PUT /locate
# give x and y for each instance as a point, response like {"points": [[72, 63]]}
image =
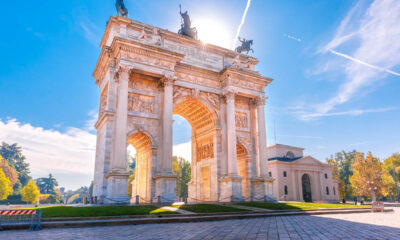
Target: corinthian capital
{"points": [[123, 72], [260, 100], [168, 79], [229, 93]]}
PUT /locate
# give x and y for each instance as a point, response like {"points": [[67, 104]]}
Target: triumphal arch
{"points": [[145, 75]]}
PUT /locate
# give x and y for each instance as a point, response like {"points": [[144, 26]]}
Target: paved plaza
{"points": [[339, 226]]}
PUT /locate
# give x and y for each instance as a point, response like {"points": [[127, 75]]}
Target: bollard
{"points": [[137, 199]]}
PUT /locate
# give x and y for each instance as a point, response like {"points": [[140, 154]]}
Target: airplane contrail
{"points": [[363, 63], [241, 24]]}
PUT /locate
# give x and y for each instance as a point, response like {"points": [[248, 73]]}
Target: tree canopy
{"points": [[5, 186], [30, 192], [15, 158], [182, 169], [47, 185]]}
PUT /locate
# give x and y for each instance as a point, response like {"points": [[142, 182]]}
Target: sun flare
{"points": [[213, 31]]}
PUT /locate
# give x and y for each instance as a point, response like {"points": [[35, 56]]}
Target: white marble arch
{"points": [[144, 82]]}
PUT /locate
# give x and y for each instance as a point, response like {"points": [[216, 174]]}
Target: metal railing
{"points": [[23, 217]]}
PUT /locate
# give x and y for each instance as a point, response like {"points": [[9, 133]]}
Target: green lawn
{"points": [[298, 205], [207, 208], [66, 211]]}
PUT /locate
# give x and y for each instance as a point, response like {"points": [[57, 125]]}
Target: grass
{"points": [[66, 211], [298, 205], [208, 208]]}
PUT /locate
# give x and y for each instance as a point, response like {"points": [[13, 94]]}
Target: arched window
{"points": [[326, 176], [270, 174], [284, 173], [286, 190], [289, 154], [327, 190]]}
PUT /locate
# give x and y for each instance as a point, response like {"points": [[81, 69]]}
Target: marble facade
{"points": [[145, 75]]}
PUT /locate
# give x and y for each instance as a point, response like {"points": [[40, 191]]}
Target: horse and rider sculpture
{"points": [[187, 29]]}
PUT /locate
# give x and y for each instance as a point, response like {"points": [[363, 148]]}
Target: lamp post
{"points": [[395, 183]]}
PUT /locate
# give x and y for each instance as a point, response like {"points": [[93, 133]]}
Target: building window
{"points": [[284, 173], [327, 190], [270, 174], [334, 191], [326, 176], [286, 191]]}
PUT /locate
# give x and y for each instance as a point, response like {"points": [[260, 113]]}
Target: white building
{"points": [[300, 178]]}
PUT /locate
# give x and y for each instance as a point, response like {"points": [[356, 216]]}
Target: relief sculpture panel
{"points": [[205, 150], [241, 120], [140, 103]]}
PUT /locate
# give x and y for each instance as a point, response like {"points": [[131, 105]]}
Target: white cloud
{"points": [[183, 150], [357, 112], [68, 155], [369, 39]]}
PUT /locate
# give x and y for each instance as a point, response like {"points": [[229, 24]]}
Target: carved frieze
{"points": [[148, 61], [103, 102], [140, 103], [198, 80], [142, 84], [205, 150]]}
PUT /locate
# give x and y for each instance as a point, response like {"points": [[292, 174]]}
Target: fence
{"points": [[25, 217], [378, 206]]}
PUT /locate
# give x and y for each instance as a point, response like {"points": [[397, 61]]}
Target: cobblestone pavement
{"points": [[338, 226]]}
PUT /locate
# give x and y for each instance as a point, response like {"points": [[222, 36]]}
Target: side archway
{"points": [[141, 185], [306, 186]]}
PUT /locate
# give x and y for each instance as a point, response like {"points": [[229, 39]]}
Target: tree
{"points": [[342, 162], [182, 169], [367, 175], [5, 186], [15, 158], [392, 170], [47, 185], [30, 192], [9, 171]]}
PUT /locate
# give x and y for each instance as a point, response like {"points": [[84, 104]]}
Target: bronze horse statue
{"points": [[121, 9], [186, 26], [245, 47]]}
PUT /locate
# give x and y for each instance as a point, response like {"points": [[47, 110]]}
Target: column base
{"points": [[262, 189], [231, 189], [117, 187], [165, 184]]}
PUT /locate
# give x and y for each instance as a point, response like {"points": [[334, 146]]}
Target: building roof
{"points": [[283, 146], [284, 159]]}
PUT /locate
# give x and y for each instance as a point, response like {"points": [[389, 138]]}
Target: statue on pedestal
{"points": [[245, 47], [121, 9], [186, 28]]}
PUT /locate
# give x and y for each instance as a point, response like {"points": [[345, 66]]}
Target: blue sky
{"points": [[335, 66]]}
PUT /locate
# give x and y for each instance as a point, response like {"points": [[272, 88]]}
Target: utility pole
{"points": [[395, 182]]}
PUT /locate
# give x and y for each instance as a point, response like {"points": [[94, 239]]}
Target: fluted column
{"points": [[262, 139], [118, 162], [231, 133], [168, 82]]}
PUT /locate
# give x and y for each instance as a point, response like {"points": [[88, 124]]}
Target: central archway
{"points": [[306, 186], [203, 148]]}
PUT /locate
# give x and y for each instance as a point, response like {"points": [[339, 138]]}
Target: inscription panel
{"points": [[196, 56]]}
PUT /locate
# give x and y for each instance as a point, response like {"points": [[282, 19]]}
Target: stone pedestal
{"points": [[262, 189], [117, 185], [165, 184], [231, 189]]}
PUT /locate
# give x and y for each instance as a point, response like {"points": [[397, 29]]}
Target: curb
{"points": [[183, 218]]}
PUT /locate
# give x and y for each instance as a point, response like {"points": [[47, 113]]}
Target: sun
{"points": [[213, 31]]}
